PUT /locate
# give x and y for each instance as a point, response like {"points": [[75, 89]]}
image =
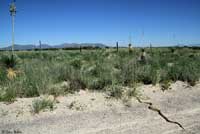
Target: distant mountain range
{"points": [[75, 45], [188, 45], [46, 46], [194, 45]]}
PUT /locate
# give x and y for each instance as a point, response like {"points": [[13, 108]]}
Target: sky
{"points": [[159, 22]]}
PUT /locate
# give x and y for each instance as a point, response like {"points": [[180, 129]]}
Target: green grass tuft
{"points": [[42, 104]]}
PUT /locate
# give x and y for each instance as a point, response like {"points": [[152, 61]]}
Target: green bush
{"points": [[3, 75], [115, 91], [42, 104], [8, 94], [184, 71], [9, 61], [76, 63], [128, 72], [147, 74]]}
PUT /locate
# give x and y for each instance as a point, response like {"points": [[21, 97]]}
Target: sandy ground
{"points": [[92, 113]]}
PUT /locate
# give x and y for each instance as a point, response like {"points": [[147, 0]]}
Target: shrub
{"points": [[115, 91], [99, 84], [7, 94], [96, 75], [31, 84], [9, 61], [3, 75], [76, 63], [186, 71], [127, 74], [8, 66], [76, 84], [36, 79], [132, 93], [42, 104], [59, 89], [147, 74], [64, 72]]}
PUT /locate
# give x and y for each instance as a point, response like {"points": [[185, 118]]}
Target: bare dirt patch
{"points": [[92, 113]]}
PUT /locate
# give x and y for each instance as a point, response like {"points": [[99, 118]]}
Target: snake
{"points": [[151, 107]]}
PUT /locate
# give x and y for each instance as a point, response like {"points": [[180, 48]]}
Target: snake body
{"points": [[151, 107]]}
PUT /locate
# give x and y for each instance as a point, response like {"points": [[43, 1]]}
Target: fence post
{"points": [[117, 46], [129, 48], [151, 49], [80, 49]]}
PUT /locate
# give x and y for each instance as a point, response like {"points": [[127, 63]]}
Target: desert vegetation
{"points": [[35, 73], [42, 104]]}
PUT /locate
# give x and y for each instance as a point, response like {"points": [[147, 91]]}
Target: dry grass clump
{"points": [[120, 92], [43, 104]]}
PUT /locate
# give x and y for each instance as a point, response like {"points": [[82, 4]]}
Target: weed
{"points": [[132, 92], [165, 85], [3, 75], [9, 61], [147, 74], [42, 104], [8, 94], [94, 70], [59, 89], [115, 92]]}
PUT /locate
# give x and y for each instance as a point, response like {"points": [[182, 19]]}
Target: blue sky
{"points": [[160, 22]]}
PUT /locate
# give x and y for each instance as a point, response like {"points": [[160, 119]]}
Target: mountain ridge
{"points": [[60, 46]]}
